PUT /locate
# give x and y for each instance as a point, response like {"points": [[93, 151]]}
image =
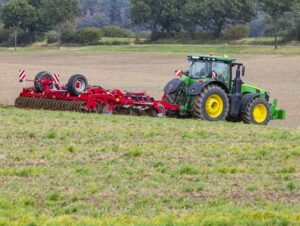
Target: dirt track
{"points": [[149, 72]]}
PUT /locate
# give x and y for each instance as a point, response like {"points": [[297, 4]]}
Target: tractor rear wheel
{"points": [[39, 78], [257, 112], [211, 105], [77, 84]]}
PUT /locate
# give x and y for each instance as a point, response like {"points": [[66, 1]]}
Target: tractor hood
{"points": [[246, 88]]}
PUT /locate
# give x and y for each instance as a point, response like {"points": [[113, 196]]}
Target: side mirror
{"points": [[243, 71]]}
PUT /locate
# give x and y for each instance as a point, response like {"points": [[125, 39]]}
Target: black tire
{"points": [[39, 77], [77, 84], [249, 118], [199, 103]]}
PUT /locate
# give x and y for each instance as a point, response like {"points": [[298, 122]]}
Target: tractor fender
{"points": [[197, 88], [246, 99], [173, 85]]}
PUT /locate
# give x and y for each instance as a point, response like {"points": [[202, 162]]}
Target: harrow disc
{"points": [[123, 110], [79, 106], [18, 102]]}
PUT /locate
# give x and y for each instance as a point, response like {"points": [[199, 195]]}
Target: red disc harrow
{"points": [[77, 95]]}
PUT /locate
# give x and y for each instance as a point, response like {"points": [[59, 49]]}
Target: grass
{"points": [[110, 40], [169, 49], [258, 41], [63, 168]]}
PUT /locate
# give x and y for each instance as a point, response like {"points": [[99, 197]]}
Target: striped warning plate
{"points": [[22, 75], [56, 78]]}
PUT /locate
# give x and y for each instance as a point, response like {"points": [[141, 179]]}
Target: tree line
{"points": [[165, 18], [169, 17]]}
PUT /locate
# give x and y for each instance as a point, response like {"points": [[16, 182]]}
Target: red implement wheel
{"points": [[77, 84], [40, 78]]}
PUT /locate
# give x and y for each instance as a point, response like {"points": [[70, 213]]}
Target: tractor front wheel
{"points": [[257, 112], [211, 105]]}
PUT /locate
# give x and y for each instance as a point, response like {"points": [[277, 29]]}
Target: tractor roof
{"points": [[211, 58]]}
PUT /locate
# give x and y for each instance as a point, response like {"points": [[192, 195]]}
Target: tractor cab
{"points": [[211, 68]]}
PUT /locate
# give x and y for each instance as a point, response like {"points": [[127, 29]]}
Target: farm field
{"points": [[149, 71], [63, 168]]}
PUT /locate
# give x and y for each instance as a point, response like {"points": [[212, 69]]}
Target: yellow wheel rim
{"points": [[214, 106], [260, 113]]}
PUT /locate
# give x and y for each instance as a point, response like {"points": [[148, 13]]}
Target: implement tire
{"points": [[40, 77], [257, 112], [77, 84], [212, 104]]}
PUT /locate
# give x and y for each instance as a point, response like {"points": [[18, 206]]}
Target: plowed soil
{"points": [[150, 72]]}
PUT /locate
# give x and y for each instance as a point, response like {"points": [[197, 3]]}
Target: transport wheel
{"points": [[77, 84], [211, 105], [40, 77], [257, 112]]}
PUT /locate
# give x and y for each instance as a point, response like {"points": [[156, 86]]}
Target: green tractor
{"points": [[209, 91]]}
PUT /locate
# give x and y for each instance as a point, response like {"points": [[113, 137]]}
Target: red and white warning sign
{"points": [[56, 78], [214, 75], [178, 73], [22, 75]]}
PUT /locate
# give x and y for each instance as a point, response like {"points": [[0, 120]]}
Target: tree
{"points": [[40, 24], [159, 16], [276, 9], [113, 12], [171, 16], [18, 14], [215, 15], [58, 12]]}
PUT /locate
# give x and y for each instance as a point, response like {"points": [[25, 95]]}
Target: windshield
{"points": [[198, 69], [203, 69]]}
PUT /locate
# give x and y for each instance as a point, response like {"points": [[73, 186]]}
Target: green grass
{"points": [[258, 41], [110, 40], [63, 168], [169, 49]]}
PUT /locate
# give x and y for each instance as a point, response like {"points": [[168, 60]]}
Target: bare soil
{"points": [[150, 72]]}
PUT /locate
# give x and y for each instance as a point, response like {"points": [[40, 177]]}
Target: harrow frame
{"points": [[93, 99]]}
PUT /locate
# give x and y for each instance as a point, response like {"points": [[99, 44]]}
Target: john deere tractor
{"points": [[209, 90]]}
